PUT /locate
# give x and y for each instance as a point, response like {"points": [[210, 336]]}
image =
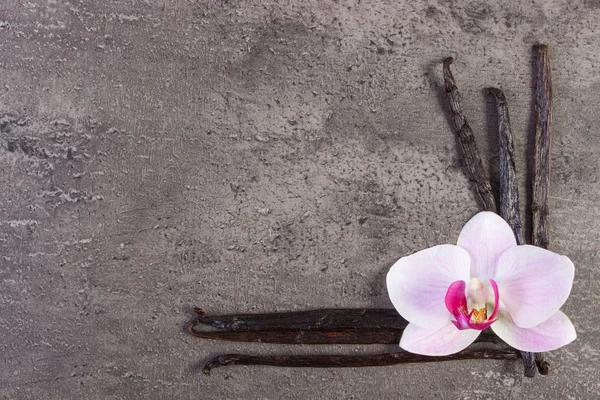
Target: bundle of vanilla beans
{"points": [[385, 326]]}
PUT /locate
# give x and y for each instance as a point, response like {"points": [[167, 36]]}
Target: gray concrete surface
{"points": [[258, 156]]}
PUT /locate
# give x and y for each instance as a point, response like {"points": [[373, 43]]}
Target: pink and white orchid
{"points": [[449, 293]]}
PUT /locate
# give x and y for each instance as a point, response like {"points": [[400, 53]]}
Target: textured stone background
{"points": [[258, 156]]}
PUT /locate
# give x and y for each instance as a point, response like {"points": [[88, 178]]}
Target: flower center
{"points": [[478, 316], [471, 313]]}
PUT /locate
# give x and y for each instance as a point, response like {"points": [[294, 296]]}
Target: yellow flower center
{"points": [[479, 315]]}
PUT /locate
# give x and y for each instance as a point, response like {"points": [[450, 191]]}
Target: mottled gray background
{"points": [[259, 156]]}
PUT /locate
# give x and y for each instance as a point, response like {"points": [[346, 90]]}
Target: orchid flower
{"points": [[449, 293]]}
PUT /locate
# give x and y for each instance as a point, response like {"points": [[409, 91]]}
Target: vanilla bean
{"points": [[541, 175], [295, 336], [543, 366], [509, 188], [541, 179], [376, 318], [529, 364], [328, 326], [342, 361], [509, 192], [466, 139], [341, 336]]}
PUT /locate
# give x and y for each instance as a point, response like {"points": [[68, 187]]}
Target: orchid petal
{"points": [[436, 342], [551, 334], [534, 283], [486, 236], [417, 284]]}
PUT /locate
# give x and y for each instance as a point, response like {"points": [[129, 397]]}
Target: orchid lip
{"points": [[457, 305]]}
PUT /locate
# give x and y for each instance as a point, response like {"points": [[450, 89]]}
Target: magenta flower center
{"points": [[469, 306]]}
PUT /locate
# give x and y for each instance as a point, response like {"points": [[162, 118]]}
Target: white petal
{"points": [[486, 236], [437, 342], [551, 334], [417, 284], [533, 283]]}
